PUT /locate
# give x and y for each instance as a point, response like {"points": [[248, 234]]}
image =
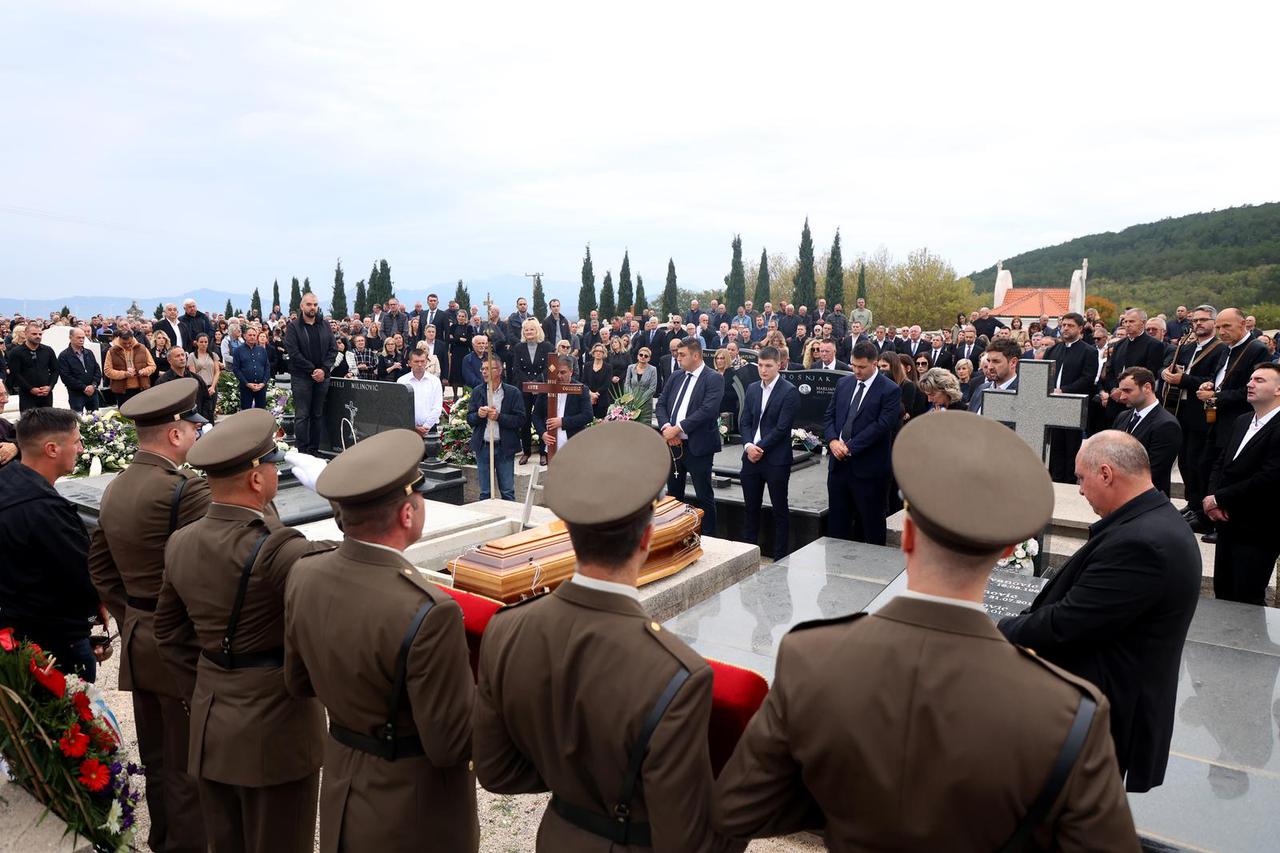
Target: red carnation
{"points": [[104, 739], [74, 743], [7, 642], [81, 701], [94, 775], [55, 682]]}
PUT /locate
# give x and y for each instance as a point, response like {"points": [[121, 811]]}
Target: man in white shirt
{"points": [[768, 413], [428, 395]]}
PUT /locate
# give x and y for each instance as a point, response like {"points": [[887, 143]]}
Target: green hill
{"points": [[1222, 241]]}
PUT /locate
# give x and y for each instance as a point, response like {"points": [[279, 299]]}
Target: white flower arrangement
{"points": [[804, 438], [1023, 558]]}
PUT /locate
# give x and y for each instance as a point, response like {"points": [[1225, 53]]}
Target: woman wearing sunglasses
{"points": [[643, 375]]}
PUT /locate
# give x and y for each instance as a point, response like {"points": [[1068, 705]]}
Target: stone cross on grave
{"points": [[1034, 408], [553, 390]]}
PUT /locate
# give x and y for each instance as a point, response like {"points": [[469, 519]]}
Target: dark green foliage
{"points": [[607, 308], [539, 299], [1260, 284], [587, 293], [670, 293], [306, 285], [228, 311], [361, 305], [462, 297], [295, 296], [642, 304], [384, 281], [762, 282], [1221, 241], [372, 294], [862, 281], [255, 304], [159, 312], [66, 311], [338, 306], [834, 290], [805, 292], [735, 284], [625, 298], [275, 293]]}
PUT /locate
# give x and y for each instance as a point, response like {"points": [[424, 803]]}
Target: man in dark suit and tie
{"points": [[438, 317], [939, 354], [1135, 349], [668, 364], [1149, 422], [1196, 363], [969, 346], [1002, 362], [1075, 372], [914, 344], [768, 413], [1118, 612], [859, 426], [80, 372], [1242, 489], [689, 412], [573, 411], [172, 328], [652, 337]]}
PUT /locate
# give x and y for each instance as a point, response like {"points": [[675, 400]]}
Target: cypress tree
{"points": [[295, 296], [255, 303], [384, 281], [539, 299], [607, 308], [159, 312], [462, 297], [834, 290], [735, 289], [362, 300], [762, 282], [66, 311], [625, 300], [373, 293], [862, 280], [670, 296], [587, 293], [229, 311], [306, 285], [806, 287], [642, 304], [338, 306], [275, 293]]}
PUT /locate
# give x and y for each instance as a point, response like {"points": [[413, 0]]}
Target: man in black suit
{"points": [[438, 317], [1242, 489], [1196, 363], [1002, 363], [1117, 613], [1076, 366], [860, 423], [939, 354], [857, 333], [33, 369], [573, 411], [969, 346], [827, 357], [689, 412], [556, 326], [914, 344], [668, 364], [768, 413], [1147, 421], [1135, 349], [172, 328], [652, 337], [192, 324], [81, 373]]}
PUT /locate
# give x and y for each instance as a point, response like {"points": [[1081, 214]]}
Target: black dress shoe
{"points": [[1211, 537], [1200, 525], [1189, 513], [542, 459], [524, 459]]}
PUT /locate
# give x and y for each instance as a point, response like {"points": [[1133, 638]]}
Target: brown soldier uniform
{"points": [[141, 508], [582, 694], [919, 727], [255, 750], [385, 651]]}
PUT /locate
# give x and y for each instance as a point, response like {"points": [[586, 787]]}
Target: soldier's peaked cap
{"points": [[165, 403], [638, 461], [242, 441], [374, 468]]}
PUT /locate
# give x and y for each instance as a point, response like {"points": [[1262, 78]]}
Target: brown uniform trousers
{"points": [[566, 683], [347, 613], [255, 749], [920, 728], [126, 561]]}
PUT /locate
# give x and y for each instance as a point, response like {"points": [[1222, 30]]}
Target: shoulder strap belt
{"points": [[1021, 838], [265, 659], [619, 827], [175, 503], [229, 637]]}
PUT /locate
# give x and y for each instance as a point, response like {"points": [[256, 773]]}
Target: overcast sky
{"points": [[224, 144]]}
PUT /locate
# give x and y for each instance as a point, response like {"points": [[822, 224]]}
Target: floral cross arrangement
{"points": [[109, 439], [64, 746]]}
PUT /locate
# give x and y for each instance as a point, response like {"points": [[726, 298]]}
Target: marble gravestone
{"points": [[58, 338], [817, 388], [1034, 408], [358, 408]]}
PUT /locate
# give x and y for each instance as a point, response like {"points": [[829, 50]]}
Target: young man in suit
{"points": [[1076, 371], [689, 412], [556, 327], [1242, 490], [497, 411], [768, 413], [859, 427], [573, 411], [1002, 363], [438, 317], [80, 372], [1147, 421], [969, 346], [1117, 613]]}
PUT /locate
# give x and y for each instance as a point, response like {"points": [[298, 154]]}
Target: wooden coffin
{"points": [[514, 566]]}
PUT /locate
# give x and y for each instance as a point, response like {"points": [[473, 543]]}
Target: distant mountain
{"points": [[1221, 241], [87, 306]]}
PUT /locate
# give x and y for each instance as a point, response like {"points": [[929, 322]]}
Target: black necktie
{"points": [[847, 432], [675, 410], [1133, 422]]}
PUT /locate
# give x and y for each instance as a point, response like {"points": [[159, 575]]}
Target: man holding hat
{"points": [[580, 693], [881, 726], [141, 508], [385, 651], [255, 750]]}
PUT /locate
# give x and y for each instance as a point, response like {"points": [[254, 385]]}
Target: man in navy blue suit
{"points": [[768, 413], [859, 428], [689, 412], [573, 411]]}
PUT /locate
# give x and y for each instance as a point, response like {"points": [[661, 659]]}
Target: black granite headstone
{"points": [[816, 388], [359, 408], [1009, 594]]}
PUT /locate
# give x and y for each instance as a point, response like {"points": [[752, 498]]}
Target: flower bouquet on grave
{"points": [[64, 747], [228, 393], [280, 404], [802, 439], [109, 440], [455, 432], [1023, 559], [626, 405]]}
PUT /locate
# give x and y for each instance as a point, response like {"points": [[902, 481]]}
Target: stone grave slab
{"points": [[817, 388], [359, 408], [1033, 409], [806, 498]]}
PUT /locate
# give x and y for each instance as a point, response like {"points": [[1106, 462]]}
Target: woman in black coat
{"points": [[460, 335], [597, 375]]}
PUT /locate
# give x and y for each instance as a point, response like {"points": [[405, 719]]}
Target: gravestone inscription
{"points": [[817, 388], [358, 408]]}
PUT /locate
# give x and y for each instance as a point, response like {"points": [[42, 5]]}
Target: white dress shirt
{"points": [[941, 599], [1255, 427], [614, 587], [1140, 414], [428, 398], [765, 391], [1226, 362], [679, 416], [1057, 385], [492, 398]]}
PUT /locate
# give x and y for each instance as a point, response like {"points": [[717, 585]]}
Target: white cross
{"points": [[1034, 408]]}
